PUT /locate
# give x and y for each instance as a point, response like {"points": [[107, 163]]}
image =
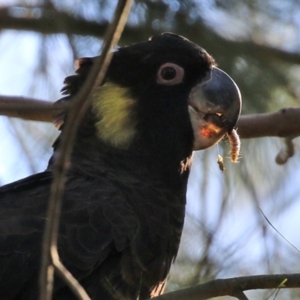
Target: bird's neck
{"points": [[152, 162], [161, 153]]}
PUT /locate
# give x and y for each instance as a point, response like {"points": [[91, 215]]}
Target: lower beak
{"points": [[214, 108]]}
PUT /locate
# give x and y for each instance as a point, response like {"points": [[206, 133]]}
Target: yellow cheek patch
{"points": [[115, 111]]}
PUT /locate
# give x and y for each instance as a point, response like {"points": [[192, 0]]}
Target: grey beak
{"points": [[215, 106]]}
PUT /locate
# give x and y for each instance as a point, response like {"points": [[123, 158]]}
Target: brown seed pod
{"points": [[235, 145], [221, 163]]}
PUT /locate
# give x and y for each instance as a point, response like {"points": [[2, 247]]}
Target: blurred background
{"points": [[256, 42]]}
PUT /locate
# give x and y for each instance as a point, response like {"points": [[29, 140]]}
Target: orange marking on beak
{"points": [[206, 132]]}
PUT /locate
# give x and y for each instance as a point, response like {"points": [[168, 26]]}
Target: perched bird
{"points": [[124, 202]]}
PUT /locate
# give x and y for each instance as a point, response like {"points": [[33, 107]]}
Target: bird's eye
{"points": [[170, 74]]}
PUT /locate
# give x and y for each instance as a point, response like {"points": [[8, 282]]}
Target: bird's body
{"points": [[124, 202]]}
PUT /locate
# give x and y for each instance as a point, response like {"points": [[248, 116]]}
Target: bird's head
{"points": [[164, 94]]}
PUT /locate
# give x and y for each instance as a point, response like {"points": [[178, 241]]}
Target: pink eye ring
{"points": [[170, 74]]}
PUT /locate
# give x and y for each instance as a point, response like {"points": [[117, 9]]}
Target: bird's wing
{"points": [[93, 224], [22, 214]]}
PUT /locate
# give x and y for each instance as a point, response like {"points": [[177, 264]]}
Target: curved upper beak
{"points": [[214, 108]]}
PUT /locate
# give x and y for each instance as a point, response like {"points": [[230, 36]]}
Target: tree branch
{"points": [[49, 22], [234, 287], [31, 109], [283, 123]]}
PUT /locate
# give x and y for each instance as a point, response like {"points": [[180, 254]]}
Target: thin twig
{"points": [[64, 274], [277, 290], [278, 231], [240, 295], [80, 104], [287, 151]]}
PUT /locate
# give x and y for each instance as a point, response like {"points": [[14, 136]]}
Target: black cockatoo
{"points": [[124, 202]]}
